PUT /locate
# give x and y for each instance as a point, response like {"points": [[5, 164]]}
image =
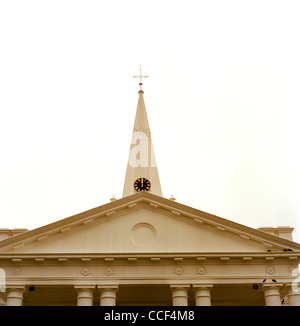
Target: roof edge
{"points": [[154, 201]]}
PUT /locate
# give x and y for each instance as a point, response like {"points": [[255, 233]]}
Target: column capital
{"points": [[202, 294], [107, 287], [108, 294], [270, 285], [202, 286], [180, 294], [15, 295], [292, 284], [293, 292], [84, 294], [179, 286], [272, 293], [84, 286], [16, 287]]}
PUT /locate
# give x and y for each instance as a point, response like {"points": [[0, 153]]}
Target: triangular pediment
{"points": [[144, 223]]}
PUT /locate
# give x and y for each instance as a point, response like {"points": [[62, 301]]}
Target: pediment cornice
{"points": [[151, 202]]}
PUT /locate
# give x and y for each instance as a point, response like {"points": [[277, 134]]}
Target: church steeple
{"points": [[142, 173]]}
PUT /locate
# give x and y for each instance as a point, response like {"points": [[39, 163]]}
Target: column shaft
{"points": [[108, 296], [294, 296], [84, 295], [15, 296], [202, 295], [272, 294], [180, 295]]}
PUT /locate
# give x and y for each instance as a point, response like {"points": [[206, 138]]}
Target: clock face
{"points": [[142, 184]]}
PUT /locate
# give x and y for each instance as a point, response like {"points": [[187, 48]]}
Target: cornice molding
{"points": [[155, 257], [151, 202]]}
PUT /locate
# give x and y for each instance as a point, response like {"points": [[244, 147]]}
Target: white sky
{"points": [[223, 104]]}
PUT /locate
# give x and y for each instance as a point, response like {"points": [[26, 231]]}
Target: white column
{"points": [[272, 294], [294, 296], [84, 295], [179, 295], [15, 296], [108, 295], [202, 295]]}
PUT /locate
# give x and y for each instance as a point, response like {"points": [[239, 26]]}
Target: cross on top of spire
{"points": [[140, 76]]}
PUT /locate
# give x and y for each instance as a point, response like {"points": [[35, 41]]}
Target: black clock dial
{"points": [[142, 184]]}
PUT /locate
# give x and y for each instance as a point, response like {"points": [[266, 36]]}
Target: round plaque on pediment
{"points": [[143, 234]]}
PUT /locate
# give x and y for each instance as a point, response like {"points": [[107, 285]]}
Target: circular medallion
{"points": [[270, 270], [178, 270], [85, 271], [201, 270], [143, 234]]}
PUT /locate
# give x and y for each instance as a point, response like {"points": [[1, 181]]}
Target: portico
{"points": [[151, 295], [145, 279]]}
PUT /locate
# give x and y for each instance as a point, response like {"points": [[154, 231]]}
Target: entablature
{"points": [[156, 257]]}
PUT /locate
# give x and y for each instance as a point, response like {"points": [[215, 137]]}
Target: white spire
{"points": [[141, 168]]}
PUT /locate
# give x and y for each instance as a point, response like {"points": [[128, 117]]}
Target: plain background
{"points": [[222, 101]]}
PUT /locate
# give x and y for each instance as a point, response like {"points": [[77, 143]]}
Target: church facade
{"points": [[144, 249]]}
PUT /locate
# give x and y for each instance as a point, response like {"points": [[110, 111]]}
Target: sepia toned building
{"points": [[144, 249]]}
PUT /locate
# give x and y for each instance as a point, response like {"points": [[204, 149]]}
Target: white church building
{"points": [[144, 249]]}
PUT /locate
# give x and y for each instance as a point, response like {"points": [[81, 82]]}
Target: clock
{"points": [[142, 184]]}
